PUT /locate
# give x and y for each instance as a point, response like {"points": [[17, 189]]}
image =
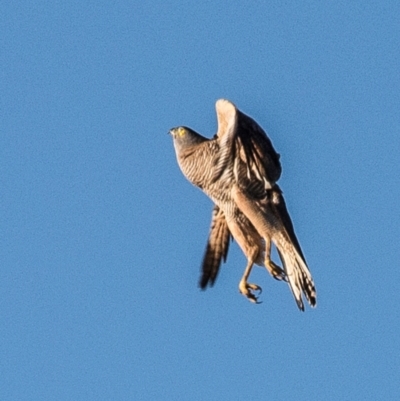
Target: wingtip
{"points": [[206, 281], [226, 115], [224, 105]]}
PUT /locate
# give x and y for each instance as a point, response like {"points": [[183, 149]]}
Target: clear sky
{"points": [[102, 237]]}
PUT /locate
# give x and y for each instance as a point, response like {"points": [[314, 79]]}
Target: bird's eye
{"points": [[181, 131]]}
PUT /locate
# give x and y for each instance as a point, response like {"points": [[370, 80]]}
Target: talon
{"points": [[254, 287], [276, 272], [246, 290]]}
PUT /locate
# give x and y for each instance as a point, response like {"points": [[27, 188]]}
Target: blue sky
{"points": [[102, 237]]}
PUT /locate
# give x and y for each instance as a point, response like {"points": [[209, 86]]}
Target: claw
{"points": [[246, 290], [254, 300], [254, 287], [276, 272]]}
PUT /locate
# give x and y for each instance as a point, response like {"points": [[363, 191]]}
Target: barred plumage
{"points": [[216, 250], [238, 170]]}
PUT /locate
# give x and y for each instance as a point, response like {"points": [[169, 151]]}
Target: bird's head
{"points": [[185, 137]]}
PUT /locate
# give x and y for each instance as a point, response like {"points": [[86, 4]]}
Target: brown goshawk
{"points": [[238, 170]]}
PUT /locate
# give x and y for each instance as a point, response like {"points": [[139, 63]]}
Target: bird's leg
{"points": [[276, 272], [242, 231], [246, 288]]}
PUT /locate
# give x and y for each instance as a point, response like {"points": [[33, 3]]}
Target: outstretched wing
{"points": [[302, 280], [216, 249], [246, 147]]}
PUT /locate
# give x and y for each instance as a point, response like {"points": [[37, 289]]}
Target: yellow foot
{"points": [[246, 289], [276, 272]]}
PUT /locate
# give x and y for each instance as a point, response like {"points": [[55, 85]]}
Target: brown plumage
{"points": [[216, 249], [238, 170]]}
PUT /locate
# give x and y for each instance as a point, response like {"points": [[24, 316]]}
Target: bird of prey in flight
{"points": [[238, 169]]}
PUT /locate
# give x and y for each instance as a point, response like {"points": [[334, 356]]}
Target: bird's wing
{"points": [[279, 206], [216, 249], [245, 146]]}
